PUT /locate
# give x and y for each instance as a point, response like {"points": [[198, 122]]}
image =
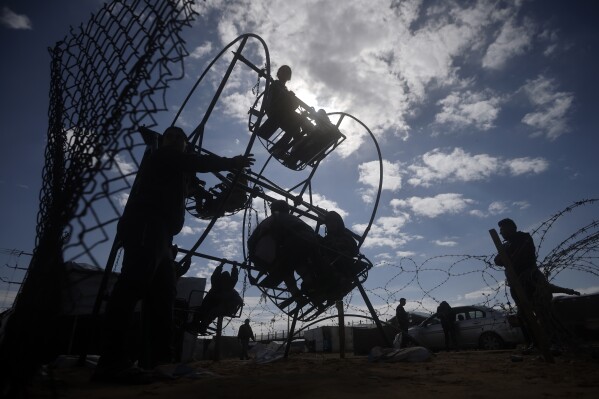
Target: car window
{"points": [[475, 314]]}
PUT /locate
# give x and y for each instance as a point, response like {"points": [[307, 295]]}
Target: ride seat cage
{"points": [[302, 139], [309, 305]]}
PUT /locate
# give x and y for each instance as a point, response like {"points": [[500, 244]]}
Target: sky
{"points": [[482, 110]]}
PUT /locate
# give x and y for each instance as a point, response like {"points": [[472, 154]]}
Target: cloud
{"points": [[431, 207], [121, 199], [520, 166], [499, 207], [445, 243], [512, 40], [122, 166], [369, 175], [380, 58], [201, 51], [386, 232], [552, 108], [462, 109], [458, 165], [12, 20], [188, 230]]}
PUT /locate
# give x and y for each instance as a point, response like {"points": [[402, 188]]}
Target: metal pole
{"points": [[374, 315], [339, 305], [217, 342], [291, 332]]}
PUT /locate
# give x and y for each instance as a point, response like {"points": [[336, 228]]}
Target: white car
{"points": [[476, 327]]}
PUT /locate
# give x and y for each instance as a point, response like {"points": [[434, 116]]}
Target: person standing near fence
{"points": [[447, 317], [403, 322], [244, 335]]}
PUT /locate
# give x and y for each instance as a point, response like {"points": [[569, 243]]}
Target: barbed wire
{"points": [[577, 253]]}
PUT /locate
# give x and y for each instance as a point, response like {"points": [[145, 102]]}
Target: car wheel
{"points": [[490, 341]]}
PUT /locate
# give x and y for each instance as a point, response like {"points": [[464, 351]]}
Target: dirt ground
{"points": [[472, 374]]}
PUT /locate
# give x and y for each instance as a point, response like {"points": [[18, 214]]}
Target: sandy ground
{"points": [[472, 374]]}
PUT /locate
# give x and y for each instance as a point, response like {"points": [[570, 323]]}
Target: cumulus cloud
{"points": [[189, 230], [511, 41], [387, 232], [369, 175], [387, 52], [459, 165], [520, 166], [12, 20], [499, 207], [450, 203], [463, 109], [552, 108], [201, 51]]}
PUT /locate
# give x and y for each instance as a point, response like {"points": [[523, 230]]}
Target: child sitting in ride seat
{"points": [[281, 244], [316, 140], [338, 249], [280, 105], [208, 203]]}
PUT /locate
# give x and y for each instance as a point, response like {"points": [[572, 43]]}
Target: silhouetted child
{"points": [[315, 142], [281, 244], [221, 300], [280, 107]]}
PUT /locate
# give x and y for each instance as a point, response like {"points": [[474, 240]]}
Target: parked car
{"points": [[476, 327]]}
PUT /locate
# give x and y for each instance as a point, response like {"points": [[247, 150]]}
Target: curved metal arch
{"points": [[306, 310], [243, 38], [197, 135], [381, 175]]}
